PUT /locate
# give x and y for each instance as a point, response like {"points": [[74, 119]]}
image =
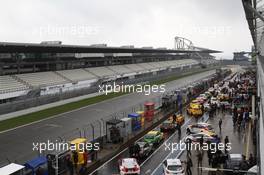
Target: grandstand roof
{"points": [[8, 47]]}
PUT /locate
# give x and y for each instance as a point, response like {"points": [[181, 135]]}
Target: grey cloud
{"points": [[209, 23]]}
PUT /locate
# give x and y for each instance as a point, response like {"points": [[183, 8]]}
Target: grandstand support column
{"points": [[1, 68], [18, 67], [47, 66], [34, 67]]}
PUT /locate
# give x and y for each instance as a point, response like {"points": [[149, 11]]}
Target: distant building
{"points": [[240, 56]]}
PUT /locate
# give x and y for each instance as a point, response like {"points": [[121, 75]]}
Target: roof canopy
{"points": [[7, 47]]}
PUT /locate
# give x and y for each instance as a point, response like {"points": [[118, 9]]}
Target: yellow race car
{"points": [[195, 109], [223, 97]]}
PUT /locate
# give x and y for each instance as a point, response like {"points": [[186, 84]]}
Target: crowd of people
{"points": [[236, 93]]}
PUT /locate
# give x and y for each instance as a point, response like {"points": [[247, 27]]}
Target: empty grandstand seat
{"points": [[147, 66], [77, 74], [101, 71], [157, 65], [165, 63], [9, 84], [134, 67], [120, 69], [42, 79]]}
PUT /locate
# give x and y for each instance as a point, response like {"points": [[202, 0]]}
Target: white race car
{"points": [[129, 166], [214, 100], [173, 167], [195, 138]]}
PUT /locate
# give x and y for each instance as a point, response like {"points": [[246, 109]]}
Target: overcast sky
{"points": [[215, 24]]}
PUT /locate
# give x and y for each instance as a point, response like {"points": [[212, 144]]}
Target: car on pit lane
{"points": [[226, 104], [208, 94], [223, 97], [173, 167], [204, 96], [201, 100], [202, 125], [145, 149], [195, 109], [196, 130], [233, 162], [195, 138], [168, 126], [129, 166], [153, 137], [207, 107], [214, 100]]}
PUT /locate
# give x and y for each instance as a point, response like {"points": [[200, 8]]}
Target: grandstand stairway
{"points": [[21, 81], [62, 76]]}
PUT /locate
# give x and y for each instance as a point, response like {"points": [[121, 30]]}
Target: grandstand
{"points": [[76, 75], [27, 81], [39, 74], [42, 79], [101, 72], [10, 84], [147, 66], [120, 70], [135, 68]]}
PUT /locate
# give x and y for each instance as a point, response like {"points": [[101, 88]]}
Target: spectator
{"points": [[226, 142], [201, 141], [82, 170], [40, 171], [220, 124], [199, 159], [188, 131], [179, 129], [85, 157], [70, 165], [75, 159], [251, 160], [174, 118], [189, 146], [210, 156], [189, 166]]}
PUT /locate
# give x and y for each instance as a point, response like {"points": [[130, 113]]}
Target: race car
{"points": [[195, 138], [173, 166], [207, 106], [200, 130], [226, 104], [201, 100], [195, 109], [214, 100], [202, 125], [208, 94], [129, 166], [204, 96], [145, 149], [153, 137], [223, 97], [168, 126], [197, 128]]}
